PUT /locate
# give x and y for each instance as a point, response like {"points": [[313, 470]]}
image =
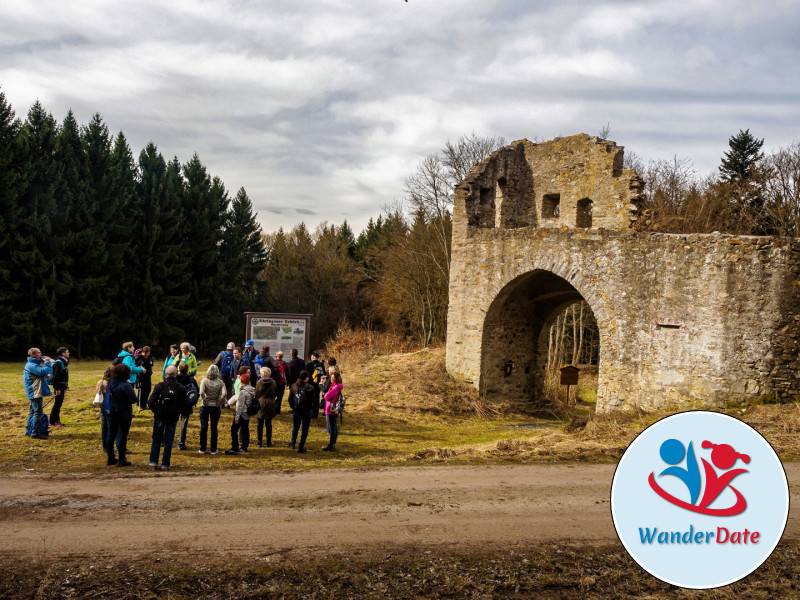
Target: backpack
{"points": [[318, 374], [58, 366], [227, 359], [192, 394], [164, 402], [253, 406], [301, 401], [41, 426], [117, 361], [338, 408]]}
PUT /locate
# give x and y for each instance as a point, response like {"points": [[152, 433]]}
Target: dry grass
{"points": [[605, 437], [402, 409]]}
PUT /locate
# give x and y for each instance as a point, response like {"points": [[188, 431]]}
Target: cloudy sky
{"points": [[320, 109]]}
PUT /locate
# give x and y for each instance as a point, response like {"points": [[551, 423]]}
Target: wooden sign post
{"points": [[569, 377]]}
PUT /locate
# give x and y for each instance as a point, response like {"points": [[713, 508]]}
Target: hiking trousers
{"points": [[118, 427], [184, 429], [264, 423], [301, 421], [58, 400], [209, 413], [163, 433]]}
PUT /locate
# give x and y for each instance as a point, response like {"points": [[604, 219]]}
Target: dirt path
{"points": [[271, 512]]}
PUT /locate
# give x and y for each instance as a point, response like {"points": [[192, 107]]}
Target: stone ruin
{"points": [[704, 318]]}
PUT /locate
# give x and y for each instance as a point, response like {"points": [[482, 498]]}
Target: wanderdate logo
{"points": [[711, 481], [699, 499]]}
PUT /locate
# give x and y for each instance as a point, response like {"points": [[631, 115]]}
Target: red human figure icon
{"points": [[724, 456]]}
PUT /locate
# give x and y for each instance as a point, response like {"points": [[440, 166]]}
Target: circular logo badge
{"points": [[699, 499]]}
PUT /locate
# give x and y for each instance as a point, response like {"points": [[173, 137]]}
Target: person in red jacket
{"points": [[281, 376], [331, 400]]}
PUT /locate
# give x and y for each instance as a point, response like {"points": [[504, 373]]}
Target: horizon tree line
{"points": [[97, 246]]}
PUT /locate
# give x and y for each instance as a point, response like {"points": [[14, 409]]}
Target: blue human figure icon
{"points": [[672, 452]]}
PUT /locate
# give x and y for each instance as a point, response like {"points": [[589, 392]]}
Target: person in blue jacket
{"points": [[34, 378], [127, 359], [171, 361], [249, 360], [121, 399]]}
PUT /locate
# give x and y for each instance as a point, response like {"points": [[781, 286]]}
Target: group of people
{"points": [[249, 382]]}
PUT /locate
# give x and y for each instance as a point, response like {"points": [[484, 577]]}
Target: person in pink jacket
{"points": [[331, 400]]}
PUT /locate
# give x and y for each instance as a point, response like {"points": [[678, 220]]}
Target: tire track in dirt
{"points": [[267, 512]]}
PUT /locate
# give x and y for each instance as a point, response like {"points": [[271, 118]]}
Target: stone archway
{"points": [[513, 355], [682, 318]]}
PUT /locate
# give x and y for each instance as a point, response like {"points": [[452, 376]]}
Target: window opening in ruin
{"points": [[501, 187], [583, 218], [486, 196], [667, 326], [551, 206]]}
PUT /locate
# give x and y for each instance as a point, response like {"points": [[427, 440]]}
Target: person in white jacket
{"points": [[241, 420]]}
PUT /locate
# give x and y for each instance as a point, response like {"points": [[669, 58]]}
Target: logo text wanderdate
{"points": [[722, 535]]}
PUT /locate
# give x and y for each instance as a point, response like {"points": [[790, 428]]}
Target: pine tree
{"points": [[91, 224], [124, 216], [203, 221], [743, 178], [10, 179], [37, 253], [745, 155], [79, 278], [244, 257], [161, 264], [346, 240]]}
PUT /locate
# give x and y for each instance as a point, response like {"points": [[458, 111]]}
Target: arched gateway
{"points": [[681, 317]]}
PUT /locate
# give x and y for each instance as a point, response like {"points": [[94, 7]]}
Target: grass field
{"points": [[402, 410], [368, 438]]}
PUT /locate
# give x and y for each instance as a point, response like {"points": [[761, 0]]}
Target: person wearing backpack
{"points": [[167, 402], [192, 396], [316, 368], [303, 401], [333, 406], [224, 362], [173, 359], [213, 395], [266, 389], [35, 374], [126, 358], [243, 403], [60, 384], [121, 399]]}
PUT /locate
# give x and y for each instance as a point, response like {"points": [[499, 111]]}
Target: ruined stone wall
{"points": [[711, 318], [512, 188]]}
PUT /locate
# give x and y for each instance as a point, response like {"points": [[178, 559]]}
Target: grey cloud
{"points": [[402, 78], [38, 45]]}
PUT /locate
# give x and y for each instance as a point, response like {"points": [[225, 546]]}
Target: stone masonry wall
{"points": [[713, 318]]}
